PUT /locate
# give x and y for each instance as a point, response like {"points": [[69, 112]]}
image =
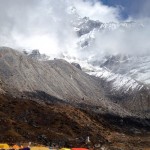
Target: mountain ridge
{"points": [[23, 75]]}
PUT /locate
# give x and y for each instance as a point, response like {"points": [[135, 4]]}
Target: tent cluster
{"points": [[73, 149], [14, 147], [20, 147]]}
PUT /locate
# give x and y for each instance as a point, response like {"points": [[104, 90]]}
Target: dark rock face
{"points": [[77, 65], [87, 25], [35, 54]]}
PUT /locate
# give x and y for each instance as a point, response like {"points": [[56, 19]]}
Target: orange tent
{"points": [[16, 147]]}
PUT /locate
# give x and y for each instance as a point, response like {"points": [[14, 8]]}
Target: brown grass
{"points": [[27, 120]]}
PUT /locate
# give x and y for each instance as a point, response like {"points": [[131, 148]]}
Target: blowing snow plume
{"points": [[48, 26]]}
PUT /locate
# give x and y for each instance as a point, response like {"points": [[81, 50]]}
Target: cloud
{"points": [[46, 25], [132, 41], [35, 24], [95, 10]]}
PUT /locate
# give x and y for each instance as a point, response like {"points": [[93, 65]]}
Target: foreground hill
{"points": [[24, 121]]}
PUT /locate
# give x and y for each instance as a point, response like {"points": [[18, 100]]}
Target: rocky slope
{"points": [[21, 120], [23, 76]]}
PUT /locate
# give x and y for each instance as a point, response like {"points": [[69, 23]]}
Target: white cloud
{"points": [[45, 25], [35, 24], [96, 10]]}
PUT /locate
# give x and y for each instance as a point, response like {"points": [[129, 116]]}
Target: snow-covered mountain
{"points": [[130, 73], [124, 77], [127, 72]]}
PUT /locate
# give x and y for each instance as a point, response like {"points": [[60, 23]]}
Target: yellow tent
{"points": [[39, 148], [65, 149], [4, 146]]}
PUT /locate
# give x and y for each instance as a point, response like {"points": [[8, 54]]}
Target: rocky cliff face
{"points": [[26, 77]]}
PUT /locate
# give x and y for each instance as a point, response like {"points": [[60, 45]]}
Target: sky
{"points": [[130, 8], [46, 24]]}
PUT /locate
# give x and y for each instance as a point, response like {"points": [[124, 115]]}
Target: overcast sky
{"points": [[46, 25]]}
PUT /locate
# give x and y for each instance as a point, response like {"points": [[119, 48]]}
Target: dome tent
{"points": [[4, 146]]}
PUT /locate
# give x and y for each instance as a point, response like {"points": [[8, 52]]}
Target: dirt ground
{"points": [[22, 121]]}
